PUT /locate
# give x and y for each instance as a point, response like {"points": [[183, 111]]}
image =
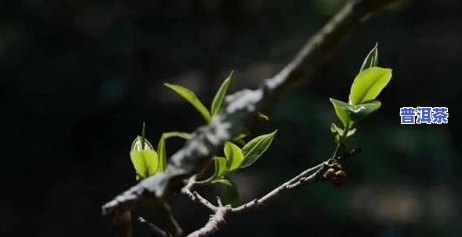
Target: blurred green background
{"points": [[78, 77]]}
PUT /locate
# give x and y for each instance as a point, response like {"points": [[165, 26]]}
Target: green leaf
{"points": [[371, 60], [240, 136], [219, 98], [240, 139], [224, 181], [192, 99], [351, 132], [337, 132], [231, 191], [162, 149], [343, 111], [263, 116], [256, 147], [334, 129], [144, 159], [368, 84], [183, 135], [221, 169], [233, 156], [363, 110]]}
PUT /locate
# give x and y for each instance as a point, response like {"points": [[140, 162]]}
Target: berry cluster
{"points": [[335, 174]]}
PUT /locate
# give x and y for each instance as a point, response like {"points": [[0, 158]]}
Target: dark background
{"points": [[78, 77]]}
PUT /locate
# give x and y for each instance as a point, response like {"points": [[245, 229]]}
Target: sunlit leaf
{"points": [[240, 139], [240, 136], [192, 99], [363, 110], [224, 181], [263, 116], [221, 169], [255, 148], [368, 84], [233, 155], [343, 111], [144, 158], [371, 60], [351, 132], [183, 135], [161, 149], [219, 98], [335, 129]]}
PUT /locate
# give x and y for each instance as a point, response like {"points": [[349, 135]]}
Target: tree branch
{"points": [[242, 105], [304, 177], [195, 196], [217, 219]]}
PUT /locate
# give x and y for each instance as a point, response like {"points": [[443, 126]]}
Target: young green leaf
{"points": [[144, 158], [351, 132], [240, 136], [263, 116], [221, 169], [162, 149], [191, 98], [337, 132], [240, 139], [363, 110], [219, 98], [334, 129], [183, 135], [368, 84], [224, 181], [233, 156], [371, 60], [256, 147], [343, 111]]}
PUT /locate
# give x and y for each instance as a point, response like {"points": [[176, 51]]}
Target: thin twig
{"points": [[221, 211], [220, 204], [195, 196], [217, 219], [307, 175]]}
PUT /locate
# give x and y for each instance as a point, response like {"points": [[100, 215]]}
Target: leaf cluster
{"points": [[367, 85], [237, 153]]}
